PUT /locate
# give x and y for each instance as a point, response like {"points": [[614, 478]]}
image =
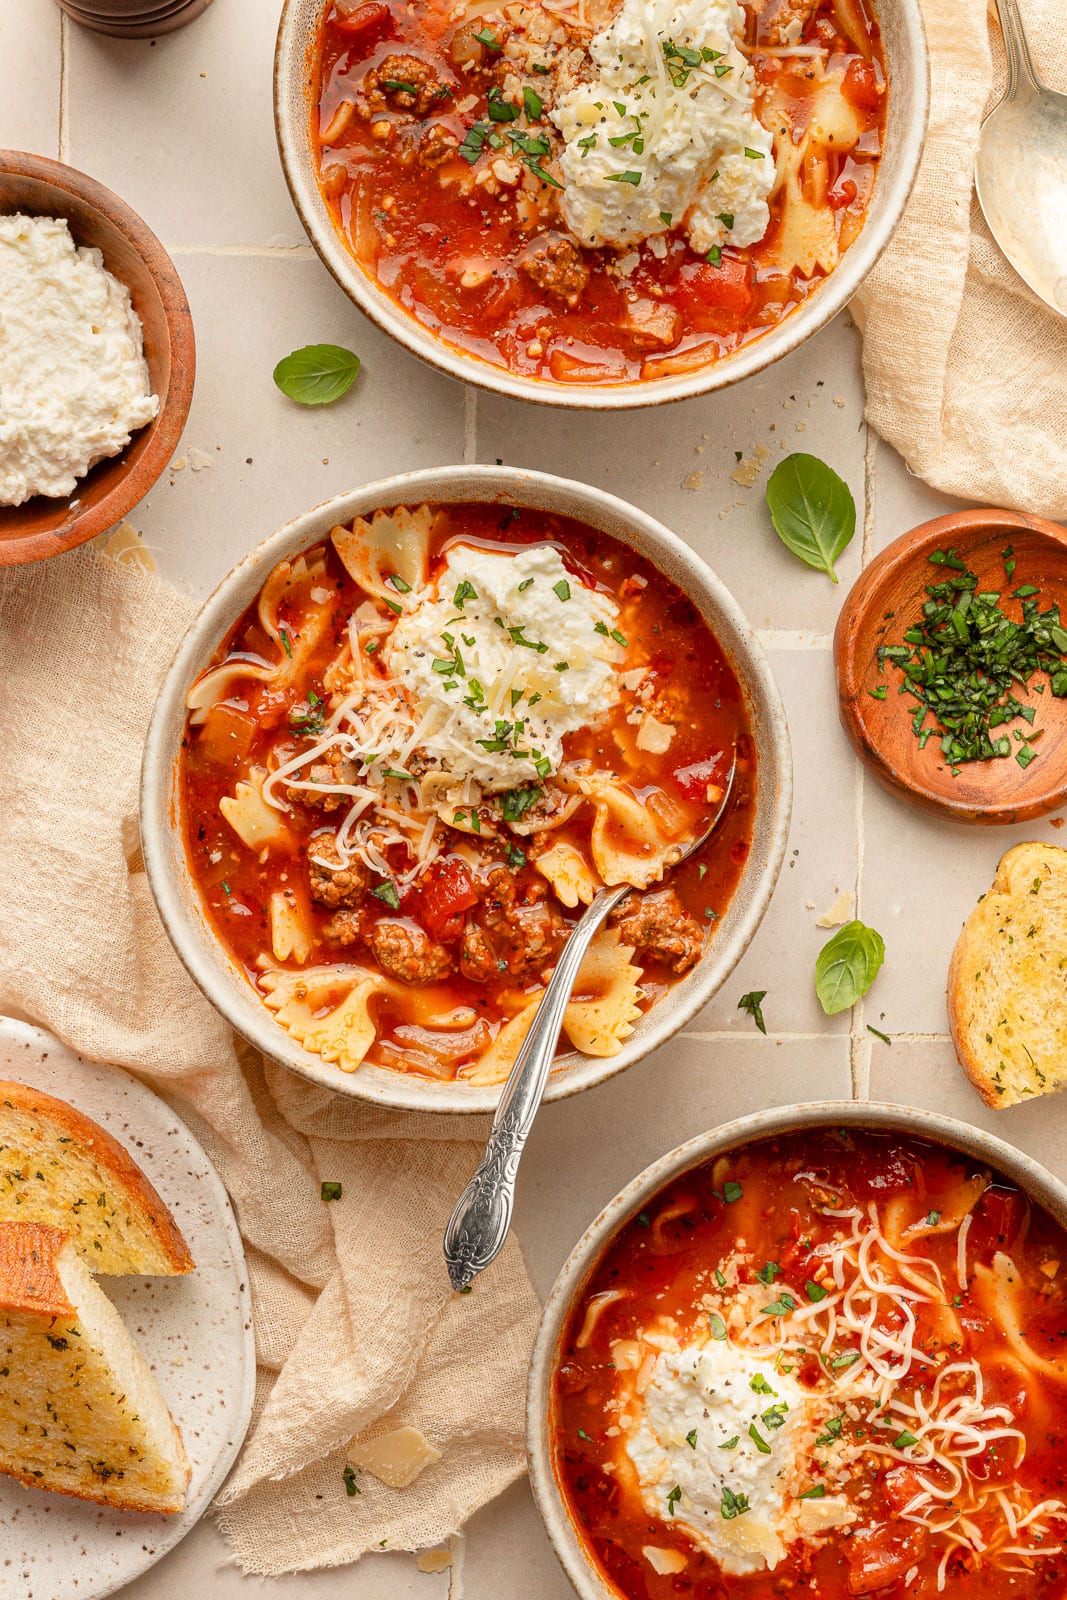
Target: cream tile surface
{"points": [[183, 130], [581, 1153], [183, 127], [820, 863], [676, 462], [252, 458], [29, 76]]}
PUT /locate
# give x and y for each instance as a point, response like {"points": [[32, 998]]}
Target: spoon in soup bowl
{"points": [[1021, 171], [481, 1220]]}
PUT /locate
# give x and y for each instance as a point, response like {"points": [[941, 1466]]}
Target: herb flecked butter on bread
{"points": [[80, 1412], [1007, 984], [58, 1166]]}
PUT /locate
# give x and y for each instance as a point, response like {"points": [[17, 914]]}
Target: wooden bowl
{"points": [[996, 791], [43, 526]]}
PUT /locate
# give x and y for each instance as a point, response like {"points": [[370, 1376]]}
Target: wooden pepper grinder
{"points": [[134, 19]]}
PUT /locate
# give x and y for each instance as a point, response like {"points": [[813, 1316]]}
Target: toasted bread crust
{"points": [[138, 1194], [101, 1499], [1019, 870], [30, 1284]]}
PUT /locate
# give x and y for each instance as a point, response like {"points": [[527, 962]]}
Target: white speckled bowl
{"points": [[1042, 1187], [294, 100], [161, 830], [1034, 1180]]}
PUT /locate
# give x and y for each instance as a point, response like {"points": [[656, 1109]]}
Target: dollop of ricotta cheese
{"points": [[665, 132], [73, 379], [512, 653], [718, 1450]]}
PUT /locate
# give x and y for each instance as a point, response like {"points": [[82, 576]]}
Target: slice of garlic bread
{"points": [[57, 1166], [80, 1412], [1007, 984]]}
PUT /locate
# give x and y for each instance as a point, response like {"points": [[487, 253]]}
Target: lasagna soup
{"points": [[830, 1364], [419, 755], [596, 191]]}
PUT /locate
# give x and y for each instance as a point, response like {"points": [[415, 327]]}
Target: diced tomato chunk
{"points": [[842, 194], [445, 896], [901, 1486], [860, 86], [996, 1221], [698, 777], [726, 287], [372, 17], [880, 1556]]}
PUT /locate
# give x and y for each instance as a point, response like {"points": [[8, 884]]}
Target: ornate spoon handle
{"points": [[1021, 70], [479, 1224]]}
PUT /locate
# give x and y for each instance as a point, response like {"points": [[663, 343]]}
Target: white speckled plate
{"points": [[195, 1331]]}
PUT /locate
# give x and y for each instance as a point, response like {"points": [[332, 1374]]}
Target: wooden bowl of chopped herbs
{"points": [[951, 659]]}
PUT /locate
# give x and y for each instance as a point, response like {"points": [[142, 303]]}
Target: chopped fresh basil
{"points": [[562, 589], [489, 39], [815, 1291], [759, 1385], [386, 893], [545, 177], [532, 103], [351, 1486], [331, 1191], [518, 801], [624, 177], [718, 1326], [815, 1493], [733, 1505], [691, 1439], [780, 1307], [673, 1498], [769, 1272], [752, 1003]]}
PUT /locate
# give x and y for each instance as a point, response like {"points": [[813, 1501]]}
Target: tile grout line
{"points": [[456, 1547], [802, 1038], [794, 639], [470, 425], [286, 252], [860, 1040], [62, 135]]}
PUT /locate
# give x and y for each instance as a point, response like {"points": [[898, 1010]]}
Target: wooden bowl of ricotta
{"points": [[45, 526]]}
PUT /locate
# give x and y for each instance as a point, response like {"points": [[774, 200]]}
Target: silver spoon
{"points": [[1021, 172], [480, 1222]]}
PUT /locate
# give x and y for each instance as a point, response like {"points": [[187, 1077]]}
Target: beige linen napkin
{"points": [[966, 369], [357, 1331]]}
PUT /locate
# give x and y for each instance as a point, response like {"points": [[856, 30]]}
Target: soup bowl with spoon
{"points": [[164, 808]]}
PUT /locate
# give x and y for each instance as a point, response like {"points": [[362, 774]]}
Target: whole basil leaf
{"points": [[847, 965], [812, 509], [317, 374]]}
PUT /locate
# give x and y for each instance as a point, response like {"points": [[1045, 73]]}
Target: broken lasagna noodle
{"points": [[599, 191], [419, 755], [833, 1363]]}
